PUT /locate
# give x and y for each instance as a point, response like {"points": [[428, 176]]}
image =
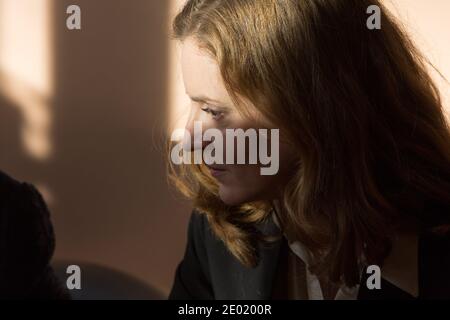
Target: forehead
{"points": [[201, 73]]}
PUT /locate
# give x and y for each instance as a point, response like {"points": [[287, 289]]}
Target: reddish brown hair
{"points": [[359, 107]]}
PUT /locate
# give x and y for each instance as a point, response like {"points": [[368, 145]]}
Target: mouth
{"points": [[216, 171]]}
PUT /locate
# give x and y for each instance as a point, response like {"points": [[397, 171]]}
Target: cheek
{"points": [[244, 183]]}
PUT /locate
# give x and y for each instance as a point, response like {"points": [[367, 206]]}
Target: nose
{"points": [[193, 137]]}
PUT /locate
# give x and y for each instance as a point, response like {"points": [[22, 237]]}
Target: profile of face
{"points": [[212, 106]]}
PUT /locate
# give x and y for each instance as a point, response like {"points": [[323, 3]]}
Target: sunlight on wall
{"points": [[178, 100], [429, 25], [26, 69]]}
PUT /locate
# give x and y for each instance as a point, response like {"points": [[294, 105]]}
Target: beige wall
{"points": [[428, 21], [105, 116]]}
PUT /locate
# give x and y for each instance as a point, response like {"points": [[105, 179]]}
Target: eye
{"points": [[216, 115]]}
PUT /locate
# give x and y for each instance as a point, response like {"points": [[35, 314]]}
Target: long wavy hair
{"points": [[357, 105]]}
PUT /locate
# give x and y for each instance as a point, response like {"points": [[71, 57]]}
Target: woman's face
{"points": [[212, 107]]}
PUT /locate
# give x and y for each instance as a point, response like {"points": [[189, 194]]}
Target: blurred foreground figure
{"points": [[27, 243]]}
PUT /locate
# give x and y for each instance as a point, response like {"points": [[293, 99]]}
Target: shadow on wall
{"points": [[110, 201]]}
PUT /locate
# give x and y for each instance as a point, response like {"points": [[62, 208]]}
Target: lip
{"points": [[216, 171]]}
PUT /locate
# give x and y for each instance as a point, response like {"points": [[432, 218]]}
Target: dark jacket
{"points": [[27, 243], [209, 271]]}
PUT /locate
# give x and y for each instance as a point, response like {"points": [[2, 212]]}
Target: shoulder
{"points": [[201, 235], [192, 277], [198, 223]]}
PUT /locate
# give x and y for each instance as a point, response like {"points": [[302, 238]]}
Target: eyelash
{"points": [[216, 115]]}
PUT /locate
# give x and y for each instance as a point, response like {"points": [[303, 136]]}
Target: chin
{"points": [[233, 196]]}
